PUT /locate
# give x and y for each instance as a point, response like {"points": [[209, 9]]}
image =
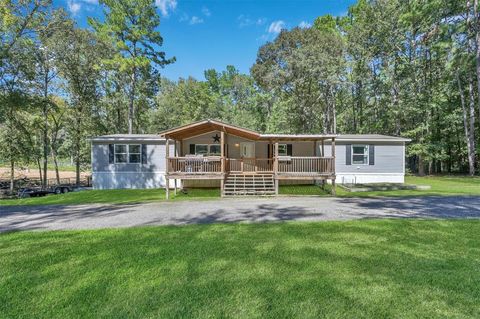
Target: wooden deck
{"points": [[283, 167]]}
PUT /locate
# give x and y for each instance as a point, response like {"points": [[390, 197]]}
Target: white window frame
{"points": [[127, 148], [209, 149], [366, 147]]}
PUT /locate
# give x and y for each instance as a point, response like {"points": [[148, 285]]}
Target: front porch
{"points": [[282, 167], [247, 161]]}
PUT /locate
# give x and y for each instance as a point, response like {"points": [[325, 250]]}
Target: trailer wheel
{"points": [[65, 190], [58, 190]]}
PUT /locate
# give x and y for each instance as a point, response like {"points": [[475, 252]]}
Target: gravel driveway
{"points": [[234, 210]]}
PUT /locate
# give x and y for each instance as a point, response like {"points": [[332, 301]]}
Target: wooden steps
{"points": [[249, 185]]}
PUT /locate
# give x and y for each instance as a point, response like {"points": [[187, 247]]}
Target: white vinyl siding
{"points": [[388, 158]]}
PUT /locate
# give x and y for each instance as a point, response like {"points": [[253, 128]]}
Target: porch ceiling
{"points": [[202, 127]]}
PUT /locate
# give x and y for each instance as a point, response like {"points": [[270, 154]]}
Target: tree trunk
{"points": [[45, 146], [40, 172], [77, 162], [55, 163], [12, 175], [131, 109], [354, 113], [476, 29], [77, 159], [334, 112], [469, 129], [45, 129], [421, 166], [77, 169], [472, 125]]}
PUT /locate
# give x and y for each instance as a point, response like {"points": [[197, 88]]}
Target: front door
{"points": [[247, 149], [247, 153]]}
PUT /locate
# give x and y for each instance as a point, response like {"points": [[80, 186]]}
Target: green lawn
{"points": [[442, 186], [113, 196], [356, 269]]}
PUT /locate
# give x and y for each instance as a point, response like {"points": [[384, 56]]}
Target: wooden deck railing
{"points": [[258, 165], [286, 165], [300, 165], [194, 165]]}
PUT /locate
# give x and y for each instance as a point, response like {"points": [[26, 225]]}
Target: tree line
{"points": [[408, 68]]}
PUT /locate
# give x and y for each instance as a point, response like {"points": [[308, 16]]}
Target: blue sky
{"points": [[215, 33]]}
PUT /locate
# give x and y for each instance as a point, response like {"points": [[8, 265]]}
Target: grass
{"points": [[356, 269], [440, 186], [112, 196]]}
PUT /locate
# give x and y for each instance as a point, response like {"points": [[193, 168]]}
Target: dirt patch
{"points": [[33, 174]]}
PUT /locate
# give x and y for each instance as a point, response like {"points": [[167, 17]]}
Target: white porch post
{"points": [[167, 155], [275, 167], [222, 159], [334, 192], [175, 180]]}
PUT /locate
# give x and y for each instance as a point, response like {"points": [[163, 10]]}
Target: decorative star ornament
{"points": [[216, 138]]}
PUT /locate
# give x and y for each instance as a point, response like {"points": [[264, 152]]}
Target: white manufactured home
{"points": [[241, 161]]}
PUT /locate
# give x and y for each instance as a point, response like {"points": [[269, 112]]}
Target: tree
{"points": [[130, 26], [78, 52], [307, 67], [18, 22], [46, 74]]}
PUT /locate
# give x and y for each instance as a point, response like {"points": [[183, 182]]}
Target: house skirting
{"points": [[368, 178], [132, 180]]}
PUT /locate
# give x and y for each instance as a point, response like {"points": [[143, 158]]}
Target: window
{"points": [[215, 149], [134, 153], [207, 149], [360, 154], [128, 153], [282, 150], [201, 149]]}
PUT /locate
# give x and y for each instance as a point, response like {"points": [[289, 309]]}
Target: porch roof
{"points": [[205, 126]]}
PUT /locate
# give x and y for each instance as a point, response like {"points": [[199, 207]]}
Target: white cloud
{"points": [[206, 12], [73, 7], [91, 1], [191, 20], [261, 21], [166, 5], [245, 21], [184, 17], [276, 26], [195, 20], [305, 25]]}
